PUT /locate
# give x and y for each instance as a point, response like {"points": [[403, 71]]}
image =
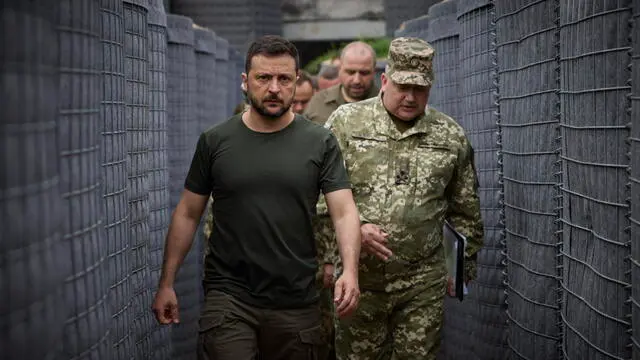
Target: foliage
{"points": [[380, 46]]}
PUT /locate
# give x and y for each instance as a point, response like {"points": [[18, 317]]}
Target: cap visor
{"points": [[409, 78]]}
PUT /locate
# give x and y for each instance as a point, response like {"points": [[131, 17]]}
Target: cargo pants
{"points": [[230, 329]]}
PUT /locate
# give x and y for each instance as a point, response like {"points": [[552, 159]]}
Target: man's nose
{"points": [[410, 96], [274, 86]]}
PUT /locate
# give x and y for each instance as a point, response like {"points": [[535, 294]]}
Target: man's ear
{"points": [[243, 84], [383, 81]]}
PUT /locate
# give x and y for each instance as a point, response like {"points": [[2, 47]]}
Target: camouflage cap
{"points": [[410, 61]]}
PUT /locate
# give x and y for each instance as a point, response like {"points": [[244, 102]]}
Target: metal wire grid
{"points": [[234, 81], [239, 74], [206, 82], [495, 79], [183, 133], [32, 257], [417, 27], [86, 332], [114, 173], [528, 106], [397, 11], [458, 320], [139, 143], [445, 92], [458, 328], [159, 211], [594, 87], [634, 179], [490, 339], [206, 89], [239, 69], [223, 79], [479, 119], [234, 20]]}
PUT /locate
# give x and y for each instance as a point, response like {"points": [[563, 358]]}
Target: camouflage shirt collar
{"points": [[387, 128]]}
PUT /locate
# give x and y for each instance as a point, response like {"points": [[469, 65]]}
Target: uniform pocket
{"points": [[436, 164], [314, 340], [207, 327], [210, 322]]}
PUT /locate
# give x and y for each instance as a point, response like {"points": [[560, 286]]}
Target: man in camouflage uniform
{"points": [[410, 170], [356, 72]]}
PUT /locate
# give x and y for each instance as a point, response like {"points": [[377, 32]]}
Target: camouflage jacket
{"points": [[409, 183]]}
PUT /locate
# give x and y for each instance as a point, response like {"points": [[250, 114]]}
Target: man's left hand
{"points": [[346, 293], [451, 290], [327, 275]]}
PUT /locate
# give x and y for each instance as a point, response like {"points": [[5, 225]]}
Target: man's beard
{"points": [[259, 107], [359, 97]]}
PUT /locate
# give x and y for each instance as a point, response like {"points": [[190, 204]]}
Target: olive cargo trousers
{"points": [[232, 330]]}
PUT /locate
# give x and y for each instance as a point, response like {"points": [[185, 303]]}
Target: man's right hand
{"points": [[374, 241], [165, 306]]}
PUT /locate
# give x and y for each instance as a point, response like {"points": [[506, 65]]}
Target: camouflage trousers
{"points": [[326, 312], [392, 326]]}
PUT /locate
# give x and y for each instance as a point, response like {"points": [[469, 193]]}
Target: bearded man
{"points": [[265, 169]]}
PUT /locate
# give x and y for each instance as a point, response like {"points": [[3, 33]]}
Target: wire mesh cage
{"points": [[479, 118], [223, 79], [115, 176], [442, 34], [88, 322], [594, 86], [159, 211], [139, 144], [183, 134], [416, 27], [634, 179], [398, 11], [205, 48], [527, 48], [33, 260]]}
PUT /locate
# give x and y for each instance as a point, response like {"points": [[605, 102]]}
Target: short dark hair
{"points": [[271, 45], [314, 82], [303, 78], [328, 71]]}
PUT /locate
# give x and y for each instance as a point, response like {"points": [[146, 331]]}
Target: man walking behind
{"points": [[410, 170], [356, 75], [265, 169], [304, 92]]}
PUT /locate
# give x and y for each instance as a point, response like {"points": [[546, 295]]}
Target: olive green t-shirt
{"points": [[265, 188]]}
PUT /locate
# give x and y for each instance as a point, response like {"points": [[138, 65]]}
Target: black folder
{"points": [[451, 234]]}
